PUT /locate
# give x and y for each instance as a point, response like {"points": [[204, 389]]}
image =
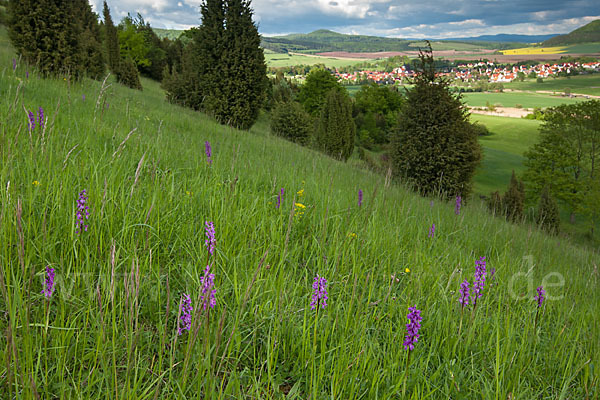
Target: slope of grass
{"points": [[511, 99], [110, 328], [503, 150], [586, 84]]}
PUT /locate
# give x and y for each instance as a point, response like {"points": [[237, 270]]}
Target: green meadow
{"points": [[503, 150], [584, 84], [110, 329], [286, 60], [511, 99]]}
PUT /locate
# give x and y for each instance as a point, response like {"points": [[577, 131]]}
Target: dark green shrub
{"points": [[435, 147], [128, 74], [513, 200], [481, 129], [335, 130], [290, 121], [548, 217]]}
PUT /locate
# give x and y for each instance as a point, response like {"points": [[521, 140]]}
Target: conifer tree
{"points": [[336, 129], [112, 41], [244, 72], [548, 217], [45, 34], [434, 146], [124, 69], [513, 200], [91, 45], [222, 69]]}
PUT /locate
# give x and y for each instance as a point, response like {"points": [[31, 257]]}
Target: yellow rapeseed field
{"points": [[535, 50]]}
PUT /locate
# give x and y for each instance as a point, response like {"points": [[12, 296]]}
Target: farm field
{"points": [[570, 49], [535, 50], [286, 60], [503, 150], [111, 328], [510, 99], [585, 84]]}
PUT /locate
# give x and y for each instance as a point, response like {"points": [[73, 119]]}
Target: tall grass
{"points": [[110, 329]]}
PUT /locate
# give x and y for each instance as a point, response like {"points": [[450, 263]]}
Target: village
{"points": [[473, 72]]}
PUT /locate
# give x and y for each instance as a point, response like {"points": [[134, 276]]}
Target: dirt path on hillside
{"points": [[511, 112]]}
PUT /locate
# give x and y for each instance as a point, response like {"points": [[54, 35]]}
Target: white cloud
{"points": [[468, 22], [394, 18]]}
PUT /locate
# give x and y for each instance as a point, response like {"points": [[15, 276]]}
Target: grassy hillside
{"points": [[503, 150], [110, 328], [586, 34]]}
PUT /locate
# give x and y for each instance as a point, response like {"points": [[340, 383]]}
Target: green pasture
{"points": [[583, 48], [110, 329], [511, 99], [503, 150], [585, 84], [287, 60]]}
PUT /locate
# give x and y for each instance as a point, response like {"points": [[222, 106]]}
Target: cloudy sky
{"points": [[392, 18]]}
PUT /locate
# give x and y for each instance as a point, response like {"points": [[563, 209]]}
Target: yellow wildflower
{"points": [[35, 183], [351, 235], [407, 270], [299, 209], [300, 193]]}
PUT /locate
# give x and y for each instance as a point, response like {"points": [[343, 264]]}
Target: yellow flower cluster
{"points": [[352, 235], [35, 183], [300, 193], [299, 210]]}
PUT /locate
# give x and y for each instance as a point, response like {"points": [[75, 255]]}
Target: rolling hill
{"points": [[586, 34], [324, 40], [507, 38]]}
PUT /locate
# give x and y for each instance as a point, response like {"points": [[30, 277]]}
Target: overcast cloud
{"points": [[405, 18]]}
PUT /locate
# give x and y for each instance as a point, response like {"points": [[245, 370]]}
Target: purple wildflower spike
{"points": [[14, 64], [464, 294], [83, 97], [412, 328], [360, 197], [210, 237], [208, 151], [457, 205], [41, 118], [279, 198], [48, 283], [83, 212], [479, 281], [540, 296], [185, 311], [31, 121], [320, 295], [208, 289], [432, 230]]}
